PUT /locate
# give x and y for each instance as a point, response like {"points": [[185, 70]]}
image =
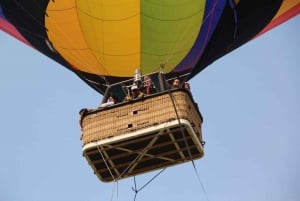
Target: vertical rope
{"points": [[138, 190], [180, 125], [186, 144], [106, 163]]}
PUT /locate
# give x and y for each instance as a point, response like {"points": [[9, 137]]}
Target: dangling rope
{"points": [[115, 181], [111, 174], [202, 186], [186, 144], [112, 194], [180, 125], [138, 190]]}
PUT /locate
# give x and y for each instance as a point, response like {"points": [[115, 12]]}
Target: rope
{"points": [[186, 144], [180, 125], [106, 163], [138, 190], [138, 156], [115, 181], [113, 191], [202, 186]]}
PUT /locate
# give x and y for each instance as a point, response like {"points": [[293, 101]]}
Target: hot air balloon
{"points": [[112, 45]]}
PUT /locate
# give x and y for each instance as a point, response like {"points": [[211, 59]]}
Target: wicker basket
{"points": [[144, 135], [152, 110]]}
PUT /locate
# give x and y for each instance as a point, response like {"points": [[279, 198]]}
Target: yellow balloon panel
{"points": [[109, 10], [96, 42]]}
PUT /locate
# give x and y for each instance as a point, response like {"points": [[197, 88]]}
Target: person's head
{"points": [[134, 89], [187, 86], [113, 99], [147, 80], [82, 111], [176, 83]]}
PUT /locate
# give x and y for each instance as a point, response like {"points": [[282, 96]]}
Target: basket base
{"points": [[143, 150]]}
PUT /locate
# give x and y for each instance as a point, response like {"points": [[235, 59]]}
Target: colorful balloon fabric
{"points": [[104, 42]]}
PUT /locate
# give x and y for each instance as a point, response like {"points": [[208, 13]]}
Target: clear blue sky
{"points": [[250, 100]]}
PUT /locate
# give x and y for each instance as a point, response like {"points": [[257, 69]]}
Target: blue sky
{"points": [[250, 103]]}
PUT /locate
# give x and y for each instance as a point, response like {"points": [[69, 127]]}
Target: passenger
{"points": [[138, 83], [135, 94], [82, 113], [187, 86], [175, 84], [114, 99], [111, 100], [149, 87]]}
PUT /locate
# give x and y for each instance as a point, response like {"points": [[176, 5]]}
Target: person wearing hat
{"points": [[135, 93]]}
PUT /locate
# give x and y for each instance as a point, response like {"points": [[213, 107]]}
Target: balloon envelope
{"points": [[105, 41]]}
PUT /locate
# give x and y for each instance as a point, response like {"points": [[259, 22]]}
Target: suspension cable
{"points": [[186, 144], [180, 125], [106, 163], [138, 190]]}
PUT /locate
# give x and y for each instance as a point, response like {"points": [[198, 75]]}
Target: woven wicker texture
{"points": [[137, 115]]}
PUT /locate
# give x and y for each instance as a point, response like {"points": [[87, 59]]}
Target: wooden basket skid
{"points": [[144, 150]]}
